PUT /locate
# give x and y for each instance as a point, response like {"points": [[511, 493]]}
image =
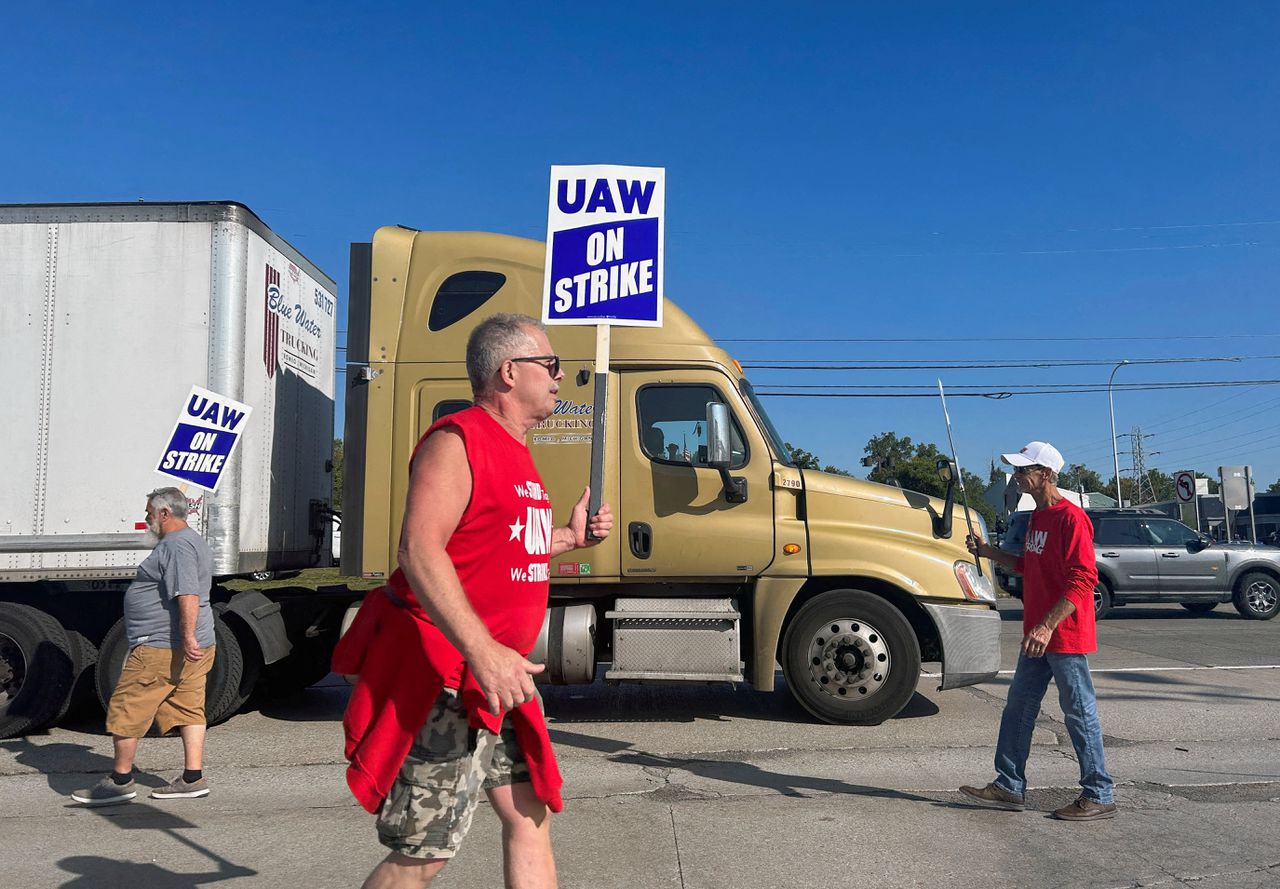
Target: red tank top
{"points": [[501, 548]]}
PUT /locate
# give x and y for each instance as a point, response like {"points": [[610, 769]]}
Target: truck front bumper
{"points": [[970, 640]]}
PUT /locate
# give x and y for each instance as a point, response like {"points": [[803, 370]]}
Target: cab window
{"points": [[1119, 532], [673, 425], [1016, 537], [1166, 532], [445, 408]]}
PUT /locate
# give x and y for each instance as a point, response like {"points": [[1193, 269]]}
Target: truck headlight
{"points": [[976, 587]]}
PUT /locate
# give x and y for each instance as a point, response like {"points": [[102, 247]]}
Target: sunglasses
{"points": [[553, 367], [1023, 470]]}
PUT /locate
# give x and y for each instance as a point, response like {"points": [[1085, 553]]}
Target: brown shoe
{"points": [[994, 797], [1085, 809]]}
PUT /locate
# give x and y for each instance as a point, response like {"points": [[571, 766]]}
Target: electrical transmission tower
{"points": [[1142, 490]]}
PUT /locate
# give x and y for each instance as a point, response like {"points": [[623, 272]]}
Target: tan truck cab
{"points": [[726, 559]]}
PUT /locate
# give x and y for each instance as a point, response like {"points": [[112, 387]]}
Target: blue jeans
{"points": [[1079, 709]]}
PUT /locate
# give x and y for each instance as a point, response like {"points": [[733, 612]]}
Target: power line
{"points": [[1255, 447], [963, 364], [1097, 445], [1168, 441], [1006, 390], [1023, 339]]}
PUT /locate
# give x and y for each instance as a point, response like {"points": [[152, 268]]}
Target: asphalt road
{"points": [[711, 787]]}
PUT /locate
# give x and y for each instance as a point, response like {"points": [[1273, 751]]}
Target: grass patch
{"points": [[309, 578]]}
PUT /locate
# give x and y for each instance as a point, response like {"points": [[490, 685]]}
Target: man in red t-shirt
{"points": [[472, 585], [1059, 574]]}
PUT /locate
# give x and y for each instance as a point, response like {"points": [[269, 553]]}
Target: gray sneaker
{"points": [[994, 797], [106, 793], [180, 789]]}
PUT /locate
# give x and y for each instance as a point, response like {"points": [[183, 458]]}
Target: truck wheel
{"points": [[1199, 607], [851, 658], [312, 631], [224, 692], [1257, 596], [84, 654], [1102, 601], [35, 669], [112, 654], [222, 688], [306, 665]]}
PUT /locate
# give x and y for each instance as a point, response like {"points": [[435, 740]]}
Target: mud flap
{"points": [[262, 616]]}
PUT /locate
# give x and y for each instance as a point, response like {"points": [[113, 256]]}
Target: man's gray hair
{"points": [[494, 340], [168, 498]]}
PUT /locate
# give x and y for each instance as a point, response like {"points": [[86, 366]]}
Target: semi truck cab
{"points": [[727, 560]]}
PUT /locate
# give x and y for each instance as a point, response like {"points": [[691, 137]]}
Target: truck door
{"points": [[674, 519], [1183, 570]]}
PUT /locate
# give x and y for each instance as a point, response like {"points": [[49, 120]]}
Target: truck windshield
{"points": [[771, 432]]}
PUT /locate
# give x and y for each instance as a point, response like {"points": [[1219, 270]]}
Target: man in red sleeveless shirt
{"points": [[1059, 574], [447, 640]]}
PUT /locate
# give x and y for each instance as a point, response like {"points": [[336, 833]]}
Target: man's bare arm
{"points": [[979, 547], [188, 611], [574, 534], [439, 490], [1036, 642]]}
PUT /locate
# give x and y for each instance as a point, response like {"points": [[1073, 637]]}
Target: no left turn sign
{"points": [[1185, 484]]}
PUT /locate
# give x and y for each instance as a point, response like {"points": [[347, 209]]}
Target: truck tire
{"points": [[112, 654], [35, 669], [235, 690], [1257, 596], [312, 629], [851, 658], [222, 688], [83, 695], [223, 694], [306, 665], [1103, 604]]}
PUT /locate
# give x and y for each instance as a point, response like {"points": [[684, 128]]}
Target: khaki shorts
{"points": [[449, 767], [158, 685]]}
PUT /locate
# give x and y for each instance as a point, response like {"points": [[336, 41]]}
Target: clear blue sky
{"points": [[989, 177]]}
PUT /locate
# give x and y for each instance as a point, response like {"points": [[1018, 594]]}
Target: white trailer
{"points": [[109, 314]]}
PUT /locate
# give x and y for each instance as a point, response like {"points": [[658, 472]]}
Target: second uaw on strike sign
{"points": [[604, 246]]}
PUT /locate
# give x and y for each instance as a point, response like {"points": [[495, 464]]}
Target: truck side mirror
{"points": [[719, 453], [948, 472]]}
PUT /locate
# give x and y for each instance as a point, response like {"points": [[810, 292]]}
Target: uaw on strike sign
{"points": [[604, 246], [208, 428]]}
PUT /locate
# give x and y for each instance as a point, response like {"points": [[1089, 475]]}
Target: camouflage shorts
{"points": [[429, 808]]}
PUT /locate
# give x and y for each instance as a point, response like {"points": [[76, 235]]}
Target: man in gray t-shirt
{"points": [[181, 564], [170, 629]]}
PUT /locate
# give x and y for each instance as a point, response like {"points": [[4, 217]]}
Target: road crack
{"points": [[675, 839]]}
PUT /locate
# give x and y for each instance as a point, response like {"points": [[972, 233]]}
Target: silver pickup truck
{"points": [[1145, 556]]}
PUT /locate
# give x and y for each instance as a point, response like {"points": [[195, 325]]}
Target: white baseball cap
{"points": [[1036, 453]]}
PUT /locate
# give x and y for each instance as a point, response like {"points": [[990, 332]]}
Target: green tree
{"points": [[808, 460], [1162, 486], [802, 458], [338, 454], [915, 468], [1077, 476], [1275, 487]]}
